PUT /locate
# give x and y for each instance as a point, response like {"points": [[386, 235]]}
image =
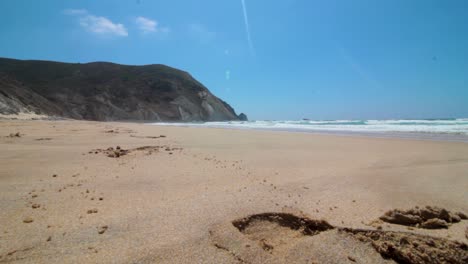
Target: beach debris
{"points": [[93, 249], [115, 153], [153, 137], [102, 229], [429, 217], [119, 151], [28, 220], [41, 139], [17, 251], [49, 239], [117, 131], [35, 206], [92, 211], [14, 135]]}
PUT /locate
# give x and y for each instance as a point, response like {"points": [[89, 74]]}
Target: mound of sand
{"points": [[427, 217], [411, 248]]}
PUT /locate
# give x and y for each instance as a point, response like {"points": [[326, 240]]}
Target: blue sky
{"points": [[289, 59]]}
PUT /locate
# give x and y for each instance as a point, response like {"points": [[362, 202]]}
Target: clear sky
{"points": [[289, 59]]}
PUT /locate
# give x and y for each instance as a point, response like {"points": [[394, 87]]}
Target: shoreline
{"points": [[425, 136]]}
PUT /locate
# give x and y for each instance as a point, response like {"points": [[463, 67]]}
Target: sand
{"points": [[95, 192]]}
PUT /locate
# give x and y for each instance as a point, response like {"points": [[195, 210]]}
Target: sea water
{"points": [[455, 129]]}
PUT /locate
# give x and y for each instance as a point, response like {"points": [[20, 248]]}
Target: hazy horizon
{"points": [[286, 60]]}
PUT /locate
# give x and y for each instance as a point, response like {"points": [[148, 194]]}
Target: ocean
{"points": [[455, 129]]}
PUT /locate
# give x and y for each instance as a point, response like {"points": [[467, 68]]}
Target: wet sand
{"points": [[94, 192]]}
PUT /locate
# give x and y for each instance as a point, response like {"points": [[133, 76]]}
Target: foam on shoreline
{"points": [[437, 129]]}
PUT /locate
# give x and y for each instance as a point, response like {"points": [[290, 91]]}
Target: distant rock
{"points": [[242, 117], [106, 91]]}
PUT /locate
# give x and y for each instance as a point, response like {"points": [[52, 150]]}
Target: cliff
{"points": [[106, 91]]}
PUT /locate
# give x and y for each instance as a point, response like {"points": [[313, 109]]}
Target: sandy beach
{"points": [[171, 194]]}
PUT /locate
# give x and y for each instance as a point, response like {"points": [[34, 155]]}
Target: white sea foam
{"points": [[437, 126]]}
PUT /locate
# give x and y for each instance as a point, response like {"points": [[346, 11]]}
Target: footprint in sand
{"points": [[295, 238]]}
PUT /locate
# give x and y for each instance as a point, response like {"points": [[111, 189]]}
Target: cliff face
{"points": [[107, 91]]}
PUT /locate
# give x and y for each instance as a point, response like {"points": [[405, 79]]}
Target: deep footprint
{"points": [[287, 238], [272, 231]]}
